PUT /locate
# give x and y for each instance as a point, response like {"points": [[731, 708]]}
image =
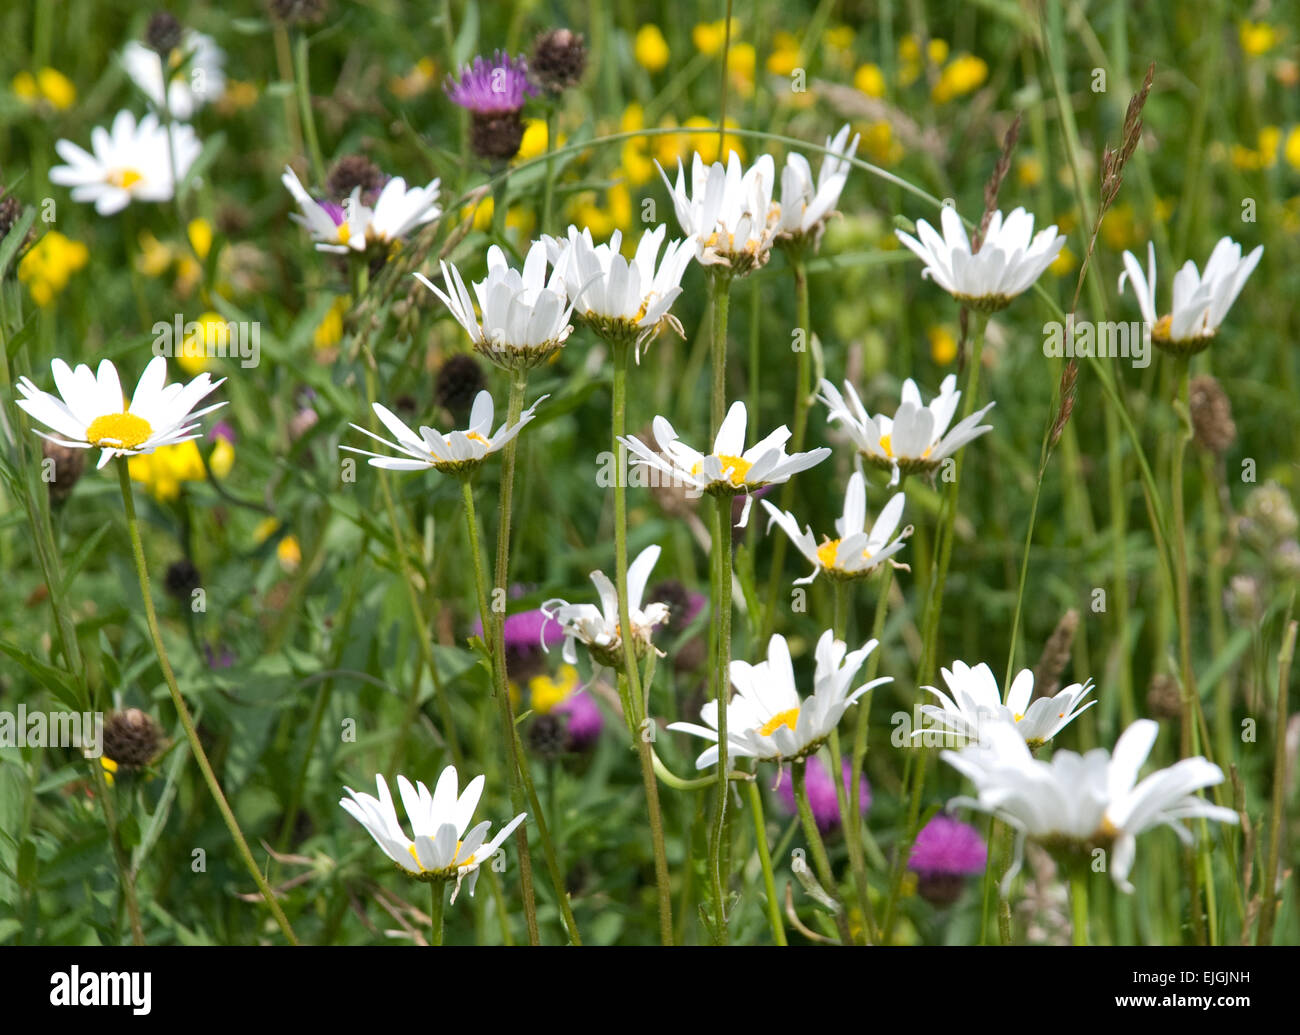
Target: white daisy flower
{"points": [[767, 719], [454, 453], [90, 411], [353, 226], [1200, 302], [597, 628], [1011, 258], [856, 551], [730, 469], [727, 211], [129, 163], [442, 849], [917, 439], [525, 316], [622, 300], [976, 705], [807, 204], [1075, 804], [194, 74]]}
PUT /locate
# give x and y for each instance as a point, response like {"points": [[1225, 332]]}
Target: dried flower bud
{"points": [[1056, 655], [1212, 423], [11, 210], [548, 736], [459, 381], [68, 465], [182, 579], [559, 59], [496, 136], [1164, 699], [353, 171], [298, 12], [1241, 599], [132, 739], [163, 33]]}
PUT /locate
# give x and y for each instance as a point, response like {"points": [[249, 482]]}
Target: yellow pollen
{"points": [[886, 445], [1019, 716], [786, 718], [1160, 332], [120, 430], [739, 468], [475, 436], [827, 551], [124, 178], [345, 232]]}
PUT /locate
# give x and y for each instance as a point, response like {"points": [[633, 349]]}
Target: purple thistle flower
{"points": [[496, 87], [584, 719], [945, 852], [222, 429], [527, 630], [821, 793]]}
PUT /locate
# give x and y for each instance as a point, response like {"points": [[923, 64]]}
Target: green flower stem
{"points": [[798, 429], [303, 89], [721, 680], [1079, 906], [817, 848], [765, 860], [859, 756], [1006, 846], [627, 635], [437, 905], [677, 783], [720, 297], [548, 191], [284, 67], [182, 710], [1276, 831]]}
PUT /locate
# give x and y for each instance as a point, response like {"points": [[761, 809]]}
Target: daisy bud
{"points": [[1212, 423], [559, 59], [68, 466], [132, 739], [163, 33]]}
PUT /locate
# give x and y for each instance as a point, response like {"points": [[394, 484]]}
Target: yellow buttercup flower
{"points": [[49, 264], [48, 85], [213, 329], [164, 470], [1257, 38], [223, 457], [943, 345], [289, 553], [483, 213], [879, 144], [1064, 263], [1029, 171], [650, 48], [533, 144], [784, 58], [199, 231], [416, 81], [237, 96], [545, 692], [329, 332], [964, 73], [636, 162], [707, 143], [710, 37], [870, 80], [741, 62], [1291, 150], [839, 37]]}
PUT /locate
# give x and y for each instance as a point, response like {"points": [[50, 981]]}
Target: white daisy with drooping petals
{"points": [[597, 628], [90, 411], [857, 550], [916, 440], [807, 203], [727, 211], [622, 300], [443, 847], [1075, 803], [976, 705], [730, 469], [352, 226], [767, 719], [1011, 258], [457, 452], [129, 162], [1200, 302], [193, 74], [399, 210], [525, 314]]}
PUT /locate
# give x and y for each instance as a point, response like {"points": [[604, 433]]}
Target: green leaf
{"points": [[58, 682]]}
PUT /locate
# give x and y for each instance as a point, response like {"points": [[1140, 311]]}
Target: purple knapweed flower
{"points": [[821, 793], [492, 87], [944, 854]]}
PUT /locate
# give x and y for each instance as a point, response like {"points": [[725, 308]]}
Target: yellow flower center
{"points": [[118, 430], [124, 178], [786, 718], [455, 862], [1160, 332], [739, 468], [827, 551], [886, 446], [345, 232], [1019, 716]]}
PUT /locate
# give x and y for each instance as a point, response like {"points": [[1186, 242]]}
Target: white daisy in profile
{"points": [[352, 226], [1011, 258], [730, 469], [917, 439], [443, 847], [191, 76], [807, 203], [525, 315], [457, 452], [976, 705], [622, 300], [1075, 804], [90, 411], [597, 628], [1200, 302], [767, 719], [129, 162], [857, 550], [727, 211]]}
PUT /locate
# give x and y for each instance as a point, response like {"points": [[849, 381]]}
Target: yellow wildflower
{"points": [[545, 692], [289, 553], [870, 80], [329, 332], [964, 73], [650, 48], [943, 345], [533, 144], [878, 143], [213, 330], [1291, 151], [741, 62], [707, 143], [710, 37], [1064, 263], [48, 265], [48, 85], [784, 58], [1257, 38], [416, 81], [1029, 171]]}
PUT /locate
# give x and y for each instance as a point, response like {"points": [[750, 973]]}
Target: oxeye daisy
{"points": [[767, 719], [856, 551], [917, 439], [597, 628], [976, 704], [91, 412], [444, 847], [727, 211], [182, 80], [129, 162], [621, 300], [355, 226], [457, 452], [1008, 262], [493, 91], [730, 469], [1200, 301], [807, 203], [525, 315], [1075, 804]]}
